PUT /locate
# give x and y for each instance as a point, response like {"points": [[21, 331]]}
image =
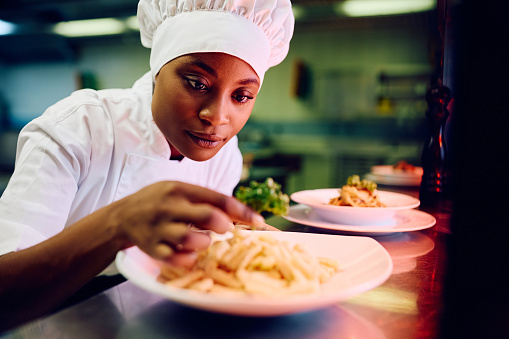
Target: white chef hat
{"points": [[256, 31]]}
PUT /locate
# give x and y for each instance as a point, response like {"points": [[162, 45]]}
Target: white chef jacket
{"points": [[91, 149]]}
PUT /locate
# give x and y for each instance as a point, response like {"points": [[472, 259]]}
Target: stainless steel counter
{"points": [[126, 311]]}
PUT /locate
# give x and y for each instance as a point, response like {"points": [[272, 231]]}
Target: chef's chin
{"points": [[201, 154]]}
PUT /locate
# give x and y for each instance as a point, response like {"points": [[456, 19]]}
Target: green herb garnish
{"points": [[264, 197], [356, 181]]}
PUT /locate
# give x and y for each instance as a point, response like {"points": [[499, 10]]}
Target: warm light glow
{"points": [[93, 27], [6, 28], [388, 299], [383, 7]]}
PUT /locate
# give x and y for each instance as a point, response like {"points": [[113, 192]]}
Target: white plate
{"points": [[318, 200], [390, 170], [393, 180], [403, 221], [365, 265], [388, 175]]}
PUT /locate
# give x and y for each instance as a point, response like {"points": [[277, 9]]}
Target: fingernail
{"points": [[258, 220]]}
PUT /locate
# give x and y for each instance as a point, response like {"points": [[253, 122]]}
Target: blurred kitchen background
{"points": [[350, 94]]}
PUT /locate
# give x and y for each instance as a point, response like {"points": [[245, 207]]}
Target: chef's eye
{"points": [[197, 84], [242, 98]]}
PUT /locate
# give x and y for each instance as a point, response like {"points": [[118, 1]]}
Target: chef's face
{"points": [[202, 100]]}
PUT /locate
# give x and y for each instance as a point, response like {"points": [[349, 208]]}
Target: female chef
{"points": [[101, 171]]}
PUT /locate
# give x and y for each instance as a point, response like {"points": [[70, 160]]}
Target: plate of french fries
{"points": [[265, 273]]}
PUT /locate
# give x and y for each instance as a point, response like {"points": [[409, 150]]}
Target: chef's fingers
{"points": [[236, 210], [181, 238], [185, 259], [161, 251], [176, 244], [266, 227], [259, 227], [201, 215], [164, 251]]}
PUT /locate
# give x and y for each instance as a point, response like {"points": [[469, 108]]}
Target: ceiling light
{"points": [[383, 7], [93, 27], [132, 23], [7, 28]]}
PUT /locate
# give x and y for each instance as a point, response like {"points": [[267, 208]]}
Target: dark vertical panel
{"points": [[477, 284]]}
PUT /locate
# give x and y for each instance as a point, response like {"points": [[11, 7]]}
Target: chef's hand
{"points": [[157, 217], [257, 227]]}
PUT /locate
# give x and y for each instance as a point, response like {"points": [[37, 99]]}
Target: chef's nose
{"points": [[215, 111]]}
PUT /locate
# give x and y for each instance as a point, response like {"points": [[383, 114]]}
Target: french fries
{"points": [[252, 263]]}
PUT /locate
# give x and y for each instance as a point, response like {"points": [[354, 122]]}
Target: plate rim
{"points": [[361, 229]]}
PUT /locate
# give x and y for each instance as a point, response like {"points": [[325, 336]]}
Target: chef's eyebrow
{"points": [[212, 71], [249, 81], [203, 66]]}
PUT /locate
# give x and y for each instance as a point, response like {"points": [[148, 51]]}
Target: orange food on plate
{"points": [[252, 263], [358, 193], [404, 166]]}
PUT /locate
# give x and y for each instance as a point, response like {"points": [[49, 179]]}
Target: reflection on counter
{"points": [[404, 249], [129, 312]]}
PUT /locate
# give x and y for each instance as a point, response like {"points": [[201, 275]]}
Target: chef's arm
{"points": [[36, 280]]}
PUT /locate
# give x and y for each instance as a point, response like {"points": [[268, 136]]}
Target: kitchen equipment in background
{"points": [[401, 92], [436, 172], [435, 185]]}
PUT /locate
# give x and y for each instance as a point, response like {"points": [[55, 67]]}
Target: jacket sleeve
{"points": [[37, 199]]}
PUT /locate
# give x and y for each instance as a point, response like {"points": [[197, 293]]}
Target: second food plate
{"points": [[403, 221], [318, 200]]}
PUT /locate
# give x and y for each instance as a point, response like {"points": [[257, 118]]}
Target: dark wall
{"points": [[476, 289]]}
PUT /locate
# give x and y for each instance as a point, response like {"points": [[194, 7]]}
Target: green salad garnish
{"points": [[264, 197], [356, 181]]}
